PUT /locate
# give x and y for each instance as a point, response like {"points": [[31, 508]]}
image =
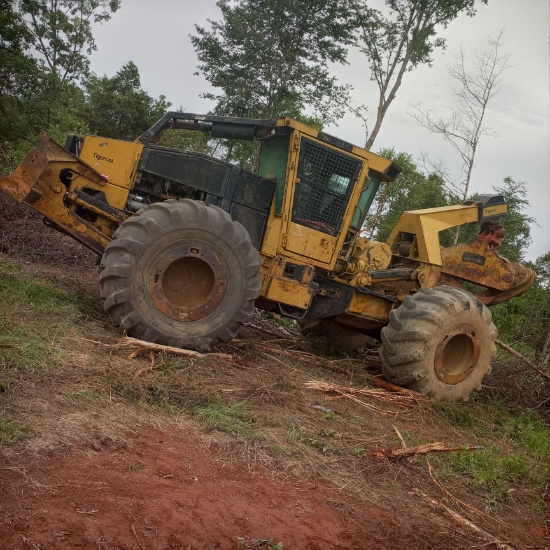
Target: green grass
{"points": [[259, 544], [11, 431], [516, 454], [234, 418], [530, 432], [35, 316], [22, 291]]}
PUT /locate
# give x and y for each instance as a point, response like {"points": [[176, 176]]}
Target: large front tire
{"points": [[182, 274], [440, 342]]}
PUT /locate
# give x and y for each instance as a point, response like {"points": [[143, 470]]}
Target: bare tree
{"points": [[466, 124], [401, 40]]}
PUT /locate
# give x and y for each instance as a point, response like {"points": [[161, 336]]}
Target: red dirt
{"points": [[153, 489]]}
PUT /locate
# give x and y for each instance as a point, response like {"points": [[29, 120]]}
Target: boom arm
{"points": [[416, 234]]}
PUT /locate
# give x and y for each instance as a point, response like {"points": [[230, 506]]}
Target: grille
{"points": [[324, 185]]}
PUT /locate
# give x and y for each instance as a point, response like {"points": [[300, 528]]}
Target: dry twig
{"points": [[436, 447], [457, 501], [522, 358], [406, 398], [127, 342], [463, 521]]}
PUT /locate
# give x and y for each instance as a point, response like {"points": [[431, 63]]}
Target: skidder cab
{"points": [[190, 244]]}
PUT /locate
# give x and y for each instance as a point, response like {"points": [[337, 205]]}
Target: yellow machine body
{"points": [[303, 260]]}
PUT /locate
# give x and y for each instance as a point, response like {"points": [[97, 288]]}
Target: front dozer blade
{"points": [[50, 179], [19, 183], [38, 169]]}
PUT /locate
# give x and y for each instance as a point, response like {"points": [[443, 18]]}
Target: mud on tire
{"points": [[182, 274], [440, 342]]}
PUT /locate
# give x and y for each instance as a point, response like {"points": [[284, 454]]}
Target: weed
{"points": [[297, 436], [285, 322], [532, 433], [495, 469], [11, 431], [234, 418]]}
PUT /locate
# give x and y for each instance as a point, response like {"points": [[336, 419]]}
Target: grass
{"points": [[259, 544], [233, 418], [22, 290], [35, 316], [517, 450], [26, 347], [260, 400], [12, 431]]}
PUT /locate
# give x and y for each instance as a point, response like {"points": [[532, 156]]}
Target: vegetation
{"points": [[45, 80], [271, 58], [259, 403], [400, 39], [12, 432]]}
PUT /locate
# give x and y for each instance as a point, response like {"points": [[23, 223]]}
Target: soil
{"points": [[149, 488], [116, 477]]}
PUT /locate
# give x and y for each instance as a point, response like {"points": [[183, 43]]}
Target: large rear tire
{"points": [[182, 274], [440, 342]]}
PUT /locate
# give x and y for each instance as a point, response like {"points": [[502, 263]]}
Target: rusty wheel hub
{"points": [[186, 282], [457, 354]]}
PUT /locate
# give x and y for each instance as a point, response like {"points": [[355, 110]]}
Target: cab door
{"points": [[320, 193]]}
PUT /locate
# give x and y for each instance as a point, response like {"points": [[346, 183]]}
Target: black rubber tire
{"points": [[152, 238], [439, 342]]}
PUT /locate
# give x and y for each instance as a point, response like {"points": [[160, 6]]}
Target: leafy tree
{"points": [[118, 107], [516, 222], [525, 321], [43, 55], [401, 40], [270, 57], [62, 32]]}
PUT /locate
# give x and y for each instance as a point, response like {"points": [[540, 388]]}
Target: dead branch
{"points": [[521, 357], [148, 368], [436, 447], [392, 387], [403, 444], [463, 521], [127, 342]]}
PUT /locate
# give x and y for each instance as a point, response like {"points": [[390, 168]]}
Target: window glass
{"points": [[324, 184]]}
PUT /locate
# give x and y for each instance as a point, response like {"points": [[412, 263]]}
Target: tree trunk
{"points": [[545, 354]]}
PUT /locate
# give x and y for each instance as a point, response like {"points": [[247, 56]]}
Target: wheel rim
{"points": [[186, 282], [457, 354]]}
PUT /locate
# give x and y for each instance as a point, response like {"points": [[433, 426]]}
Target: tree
{"points": [[401, 41], [525, 320], [517, 223], [466, 124], [44, 45], [270, 58], [62, 33], [542, 268], [118, 107]]}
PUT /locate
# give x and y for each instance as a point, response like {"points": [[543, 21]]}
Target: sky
{"points": [[156, 37]]}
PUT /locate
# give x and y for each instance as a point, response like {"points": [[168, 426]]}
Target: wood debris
{"points": [[404, 398], [522, 358], [436, 447], [127, 342], [492, 539]]}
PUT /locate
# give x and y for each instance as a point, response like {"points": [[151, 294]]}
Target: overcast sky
{"points": [[155, 36]]}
